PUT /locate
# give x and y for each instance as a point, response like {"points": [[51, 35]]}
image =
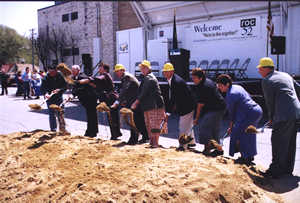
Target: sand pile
{"points": [[41, 166]]}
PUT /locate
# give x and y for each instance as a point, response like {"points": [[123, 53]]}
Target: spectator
{"points": [[26, 83], [36, 83], [19, 83], [4, 81]]}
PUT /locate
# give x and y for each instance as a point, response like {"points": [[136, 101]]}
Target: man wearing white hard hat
{"points": [[180, 101], [128, 94], [280, 94]]}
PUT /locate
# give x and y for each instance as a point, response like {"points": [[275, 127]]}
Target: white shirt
{"points": [[169, 81]]}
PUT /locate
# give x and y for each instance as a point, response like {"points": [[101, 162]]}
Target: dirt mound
{"points": [[41, 166]]}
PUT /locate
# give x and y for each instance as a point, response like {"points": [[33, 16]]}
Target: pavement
{"points": [[15, 116]]}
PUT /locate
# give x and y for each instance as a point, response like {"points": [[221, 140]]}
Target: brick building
{"points": [[85, 31]]}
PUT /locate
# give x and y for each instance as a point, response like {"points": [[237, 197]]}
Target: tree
{"points": [[42, 49], [11, 44]]}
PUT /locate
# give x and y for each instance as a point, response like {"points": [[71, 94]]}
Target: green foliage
{"points": [[14, 47]]}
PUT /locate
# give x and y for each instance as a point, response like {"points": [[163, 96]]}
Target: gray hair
{"points": [[77, 67]]}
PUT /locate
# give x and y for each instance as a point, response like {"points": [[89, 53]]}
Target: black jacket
{"points": [[51, 83], [181, 101], [149, 95], [105, 88], [128, 90], [84, 92]]}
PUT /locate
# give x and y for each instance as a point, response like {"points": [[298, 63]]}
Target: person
{"points": [[128, 93], [4, 77], [42, 74], [19, 82], [243, 112], [211, 107], [105, 92], [36, 83], [26, 83], [151, 103], [180, 101], [88, 99], [53, 86], [280, 94]]}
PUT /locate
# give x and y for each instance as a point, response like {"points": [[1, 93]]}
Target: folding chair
{"points": [[242, 70], [224, 66], [155, 68]]}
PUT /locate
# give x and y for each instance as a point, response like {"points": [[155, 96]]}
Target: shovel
{"points": [[59, 108], [39, 106], [159, 130]]}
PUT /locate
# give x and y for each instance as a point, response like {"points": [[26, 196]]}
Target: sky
{"points": [[21, 15]]}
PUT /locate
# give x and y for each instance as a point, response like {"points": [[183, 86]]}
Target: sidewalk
{"points": [[15, 115]]}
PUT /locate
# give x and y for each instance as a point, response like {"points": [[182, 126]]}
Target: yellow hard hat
{"points": [[265, 62], [145, 63], [119, 67], [168, 67]]}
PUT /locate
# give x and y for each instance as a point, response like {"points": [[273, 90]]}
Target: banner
{"points": [[235, 28]]}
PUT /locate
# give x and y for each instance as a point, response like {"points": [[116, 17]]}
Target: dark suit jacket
{"points": [[128, 90], [181, 99], [149, 95], [84, 92]]}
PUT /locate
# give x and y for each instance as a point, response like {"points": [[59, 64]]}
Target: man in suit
{"points": [[280, 93], [88, 98], [104, 87], [128, 94], [181, 102]]}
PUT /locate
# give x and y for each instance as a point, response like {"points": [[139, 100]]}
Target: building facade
{"points": [[84, 32]]}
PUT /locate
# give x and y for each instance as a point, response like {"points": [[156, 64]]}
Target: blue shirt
{"points": [[239, 103], [25, 77]]}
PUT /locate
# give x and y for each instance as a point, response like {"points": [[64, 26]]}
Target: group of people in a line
{"points": [[200, 109]]}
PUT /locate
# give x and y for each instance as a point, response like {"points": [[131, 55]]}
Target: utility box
{"points": [[180, 58]]}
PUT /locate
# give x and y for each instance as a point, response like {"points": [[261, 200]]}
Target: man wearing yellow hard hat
{"points": [[180, 102], [128, 94], [283, 106]]}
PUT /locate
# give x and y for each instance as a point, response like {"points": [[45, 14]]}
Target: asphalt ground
{"points": [[15, 116]]}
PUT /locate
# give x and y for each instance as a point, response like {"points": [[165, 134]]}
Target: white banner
{"points": [[236, 28]]}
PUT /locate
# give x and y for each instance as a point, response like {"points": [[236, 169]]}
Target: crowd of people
{"points": [[200, 109], [28, 84]]}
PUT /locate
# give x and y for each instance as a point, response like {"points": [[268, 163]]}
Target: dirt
{"points": [[42, 166]]}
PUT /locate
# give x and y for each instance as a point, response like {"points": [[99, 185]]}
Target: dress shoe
{"points": [[216, 153], [143, 141], [116, 137], [191, 145], [181, 148]]}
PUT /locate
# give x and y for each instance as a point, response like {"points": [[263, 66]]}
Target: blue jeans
{"points": [[53, 113]]}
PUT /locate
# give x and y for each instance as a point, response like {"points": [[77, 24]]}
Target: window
{"points": [[67, 52], [75, 51], [74, 15], [65, 17]]}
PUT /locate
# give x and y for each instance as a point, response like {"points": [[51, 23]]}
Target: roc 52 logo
{"points": [[246, 25]]}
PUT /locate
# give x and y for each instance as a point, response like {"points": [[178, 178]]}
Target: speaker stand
{"points": [[277, 62]]}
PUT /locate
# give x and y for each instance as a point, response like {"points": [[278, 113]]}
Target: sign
{"points": [[235, 28], [123, 48]]}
